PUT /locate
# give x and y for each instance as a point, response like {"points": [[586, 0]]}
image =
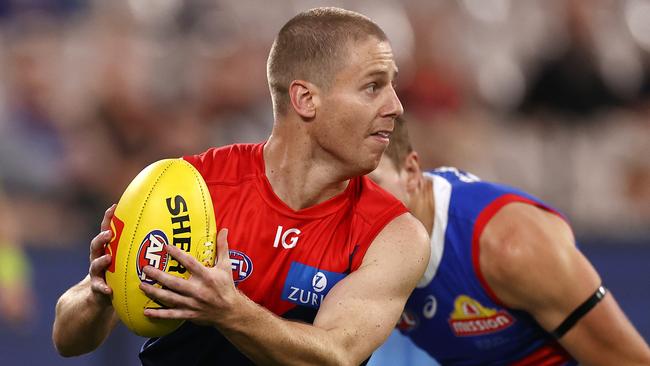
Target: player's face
{"points": [[389, 178], [357, 113]]}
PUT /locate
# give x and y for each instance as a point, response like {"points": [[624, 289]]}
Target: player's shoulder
{"points": [[228, 163], [466, 181], [519, 234], [373, 201]]}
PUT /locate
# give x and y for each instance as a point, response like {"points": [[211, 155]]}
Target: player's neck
{"points": [[422, 204], [297, 178]]}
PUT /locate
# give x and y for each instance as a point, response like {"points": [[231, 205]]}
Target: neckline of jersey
{"points": [[325, 208]]}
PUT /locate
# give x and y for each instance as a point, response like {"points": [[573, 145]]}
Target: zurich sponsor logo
{"points": [[308, 286], [319, 282], [241, 265]]}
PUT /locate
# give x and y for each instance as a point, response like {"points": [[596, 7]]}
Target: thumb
{"points": [[223, 253]]}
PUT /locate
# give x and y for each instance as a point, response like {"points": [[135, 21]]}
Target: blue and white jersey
{"points": [[452, 314]]}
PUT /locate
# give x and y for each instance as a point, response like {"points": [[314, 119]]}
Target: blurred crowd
{"points": [[552, 96]]}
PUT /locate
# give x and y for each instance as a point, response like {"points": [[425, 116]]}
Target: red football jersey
{"points": [[284, 260]]}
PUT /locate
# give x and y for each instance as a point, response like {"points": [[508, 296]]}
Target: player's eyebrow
{"points": [[382, 73]]}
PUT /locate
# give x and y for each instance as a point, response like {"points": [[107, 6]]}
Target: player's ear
{"points": [[413, 171], [303, 95]]}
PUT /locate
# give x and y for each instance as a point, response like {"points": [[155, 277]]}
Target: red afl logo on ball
{"points": [[153, 253]]}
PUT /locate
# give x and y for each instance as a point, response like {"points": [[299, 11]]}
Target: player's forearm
{"points": [[270, 340], [82, 321]]}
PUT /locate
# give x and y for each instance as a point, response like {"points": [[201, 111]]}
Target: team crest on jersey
{"points": [[241, 265], [408, 321], [153, 253], [307, 286], [470, 318]]}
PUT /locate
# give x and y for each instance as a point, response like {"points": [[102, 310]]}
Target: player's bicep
{"points": [[362, 309], [529, 259]]}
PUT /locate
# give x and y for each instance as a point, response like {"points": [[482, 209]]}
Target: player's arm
{"points": [[529, 259], [84, 315], [354, 319]]}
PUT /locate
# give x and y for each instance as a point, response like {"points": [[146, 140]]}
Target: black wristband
{"points": [[579, 312]]}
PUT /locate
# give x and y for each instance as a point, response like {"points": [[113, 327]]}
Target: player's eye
{"points": [[371, 88]]}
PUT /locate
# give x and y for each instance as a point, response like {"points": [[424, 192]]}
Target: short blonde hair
{"points": [[312, 47]]}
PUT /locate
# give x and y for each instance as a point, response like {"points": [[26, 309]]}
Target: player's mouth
{"points": [[382, 136]]}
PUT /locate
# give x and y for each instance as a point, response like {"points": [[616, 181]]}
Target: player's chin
{"points": [[370, 162]]}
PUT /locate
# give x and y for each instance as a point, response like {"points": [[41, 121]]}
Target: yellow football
{"points": [[167, 203]]}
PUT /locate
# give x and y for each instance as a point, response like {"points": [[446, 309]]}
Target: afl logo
{"points": [[241, 264], [319, 282], [153, 253]]}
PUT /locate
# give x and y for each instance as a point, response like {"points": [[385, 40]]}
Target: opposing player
{"points": [[323, 260], [505, 284]]}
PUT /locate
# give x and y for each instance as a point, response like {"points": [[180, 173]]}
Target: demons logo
{"points": [[153, 253], [241, 265]]}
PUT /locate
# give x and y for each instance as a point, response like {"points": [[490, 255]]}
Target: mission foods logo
{"points": [[153, 253], [308, 286], [470, 318]]}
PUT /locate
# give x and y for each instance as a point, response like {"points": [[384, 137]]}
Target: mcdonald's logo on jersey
{"points": [[470, 318]]}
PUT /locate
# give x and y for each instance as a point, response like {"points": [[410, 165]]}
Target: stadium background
{"points": [[552, 96]]}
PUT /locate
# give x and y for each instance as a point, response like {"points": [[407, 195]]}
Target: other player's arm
{"points": [[529, 259], [357, 315], [84, 315]]}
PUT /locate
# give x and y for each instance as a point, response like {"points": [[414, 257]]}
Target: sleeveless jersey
{"points": [[452, 314], [284, 260]]}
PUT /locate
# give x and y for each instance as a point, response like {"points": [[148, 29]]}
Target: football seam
{"points": [[135, 230]]}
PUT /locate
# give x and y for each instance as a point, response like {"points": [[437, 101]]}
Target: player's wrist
{"points": [[235, 310]]}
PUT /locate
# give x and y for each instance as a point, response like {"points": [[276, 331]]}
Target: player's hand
{"points": [[205, 298], [99, 261]]}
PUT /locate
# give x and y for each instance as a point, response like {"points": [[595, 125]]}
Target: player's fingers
{"points": [[98, 285], [177, 284], [108, 215], [96, 271], [98, 243], [169, 313], [165, 297], [186, 260], [223, 253], [98, 266]]}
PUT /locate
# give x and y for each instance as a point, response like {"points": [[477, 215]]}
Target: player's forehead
{"points": [[370, 57]]}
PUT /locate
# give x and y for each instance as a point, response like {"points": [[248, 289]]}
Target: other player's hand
{"points": [[99, 261], [205, 298]]}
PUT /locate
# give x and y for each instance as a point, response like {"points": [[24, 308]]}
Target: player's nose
{"points": [[393, 106]]}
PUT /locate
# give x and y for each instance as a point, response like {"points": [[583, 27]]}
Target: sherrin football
{"points": [[167, 203]]}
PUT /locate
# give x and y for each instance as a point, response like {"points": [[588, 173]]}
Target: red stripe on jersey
{"points": [[551, 354]]}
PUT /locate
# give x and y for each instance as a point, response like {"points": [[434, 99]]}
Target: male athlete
{"points": [[505, 284], [323, 259]]}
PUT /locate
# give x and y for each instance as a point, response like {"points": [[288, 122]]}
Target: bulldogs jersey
{"points": [[285, 260], [452, 314]]}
